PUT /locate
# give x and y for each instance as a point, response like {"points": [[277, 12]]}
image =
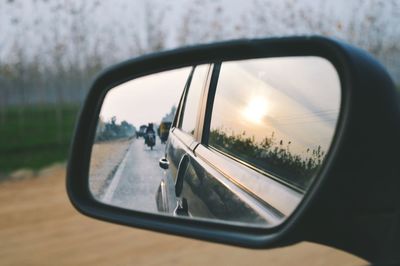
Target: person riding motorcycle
{"points": [[150, 136]]}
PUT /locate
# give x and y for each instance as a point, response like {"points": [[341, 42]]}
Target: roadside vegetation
{"points": [[271, 155], [111, 130], [36, 138]]}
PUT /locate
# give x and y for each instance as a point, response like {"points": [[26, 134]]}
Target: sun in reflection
{"points": [[255, 110]]}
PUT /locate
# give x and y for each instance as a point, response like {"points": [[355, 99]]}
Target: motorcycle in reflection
{"points": [[150, 136]]}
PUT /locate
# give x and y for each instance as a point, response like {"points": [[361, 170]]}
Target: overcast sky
{"points": [[147, 99], [119, 25]]}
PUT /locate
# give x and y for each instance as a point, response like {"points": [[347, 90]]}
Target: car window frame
{"points": [[176, 122], [275, 205], [208, 103], [205, 132], [188, 139], [273, 192]]}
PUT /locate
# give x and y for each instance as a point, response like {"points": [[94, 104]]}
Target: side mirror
{"points": [[163, 163], [256, 143]]}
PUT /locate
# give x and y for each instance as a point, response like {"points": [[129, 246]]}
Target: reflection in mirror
{"points": [[271, 124], [131, 133], [278, 115]]}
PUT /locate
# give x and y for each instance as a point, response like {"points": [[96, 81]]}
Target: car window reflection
{"points": [[191, 106], [277, 114]]}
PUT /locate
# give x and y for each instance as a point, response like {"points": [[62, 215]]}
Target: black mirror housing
{"points": [[353, 206]]}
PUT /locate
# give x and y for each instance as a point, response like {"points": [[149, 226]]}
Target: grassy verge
{"points": [[34, 137]]}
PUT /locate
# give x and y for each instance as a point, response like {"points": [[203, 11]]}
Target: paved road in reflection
{"points": [[137, 178]]}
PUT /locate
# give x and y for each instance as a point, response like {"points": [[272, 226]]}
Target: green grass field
{"points": [[35, 136]]}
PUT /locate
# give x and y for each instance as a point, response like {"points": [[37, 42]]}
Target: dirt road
{"points": [[38, 226]]}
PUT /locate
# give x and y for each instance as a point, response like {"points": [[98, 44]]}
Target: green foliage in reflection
{"points": [[270, 155], [111, 130]]}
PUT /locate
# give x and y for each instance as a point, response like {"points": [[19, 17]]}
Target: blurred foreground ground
{"points": [[39, 226]]}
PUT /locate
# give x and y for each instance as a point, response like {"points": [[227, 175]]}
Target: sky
{"points": [[147, 99]]}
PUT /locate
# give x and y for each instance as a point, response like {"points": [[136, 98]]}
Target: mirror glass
{"points": [[235, 142]]}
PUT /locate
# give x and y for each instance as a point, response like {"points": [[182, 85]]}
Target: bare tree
{"points": [[153, 21]]}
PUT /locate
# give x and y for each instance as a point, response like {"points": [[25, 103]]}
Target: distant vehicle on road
{"points": [[141, 132]]}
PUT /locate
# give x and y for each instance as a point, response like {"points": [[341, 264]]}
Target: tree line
{"points": [[51, 56], [70, 45], [111, 130]]}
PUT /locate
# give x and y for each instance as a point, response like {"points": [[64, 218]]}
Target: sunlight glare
{"points": [[255, 110]]}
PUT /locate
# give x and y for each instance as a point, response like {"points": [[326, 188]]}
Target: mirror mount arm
{"points": [[182, 208]]}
